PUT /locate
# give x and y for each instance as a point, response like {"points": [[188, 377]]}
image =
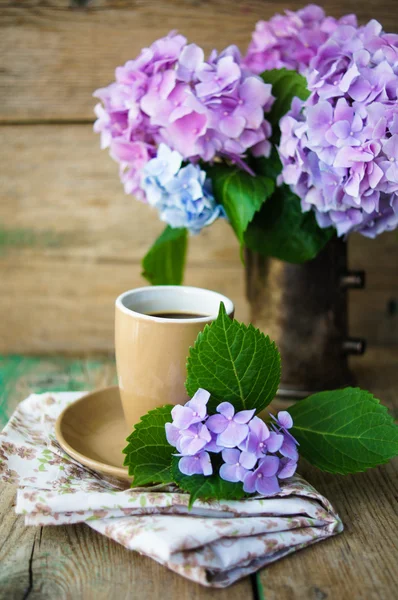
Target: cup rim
{"points": [[119, 304]]}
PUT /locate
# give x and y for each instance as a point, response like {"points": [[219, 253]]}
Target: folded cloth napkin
{"points": [[215, 543]]}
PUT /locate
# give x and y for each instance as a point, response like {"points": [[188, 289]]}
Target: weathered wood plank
{"points": [[68, 305], [54, 56], [361, 563], [70, 241], [61, 197]]}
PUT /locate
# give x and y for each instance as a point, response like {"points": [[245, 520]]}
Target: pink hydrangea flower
{"points": [[291, 40], [170, 93]]}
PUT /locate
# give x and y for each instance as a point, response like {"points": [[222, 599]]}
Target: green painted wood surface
{"points": [[23, 375]]}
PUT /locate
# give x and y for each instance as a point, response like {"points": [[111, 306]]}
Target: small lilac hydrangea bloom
{"points": [[200, 464], [288, 448], [263, 480], [231, 427], [236, 464], [182, 195], [190, 436], [250, 451], [291, 40], [256, 441], [194, 411], [339, 148], [193, 439]]}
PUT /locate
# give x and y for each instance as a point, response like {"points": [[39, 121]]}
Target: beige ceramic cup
{"points": [[151, 352]]}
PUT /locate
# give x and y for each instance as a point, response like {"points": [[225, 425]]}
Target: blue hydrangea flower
{"points": [[182, 195]]}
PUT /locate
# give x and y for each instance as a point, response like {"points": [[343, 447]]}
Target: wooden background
{"points": [[70, 240]]}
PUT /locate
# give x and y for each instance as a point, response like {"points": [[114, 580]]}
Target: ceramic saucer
{"points": [[93, 431]]}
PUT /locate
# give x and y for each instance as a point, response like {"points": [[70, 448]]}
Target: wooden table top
{"points": [[74, 561]]}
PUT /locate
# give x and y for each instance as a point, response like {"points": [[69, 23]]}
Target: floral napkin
{"points": [[215, 543]]}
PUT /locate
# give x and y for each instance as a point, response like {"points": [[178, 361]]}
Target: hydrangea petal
{"points": [[287, 468], [226, 409], [233, 435], [217, 423], [268, 486], [274, 442], [182, 416], [269, 465], [247, 460], [229, 472], [231, 456], [244, 416], [285, 419]]}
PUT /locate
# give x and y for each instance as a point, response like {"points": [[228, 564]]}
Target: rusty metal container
{"points": [[304, 308]]}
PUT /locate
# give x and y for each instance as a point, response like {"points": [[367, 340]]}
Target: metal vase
{"points": [[304, 308]]}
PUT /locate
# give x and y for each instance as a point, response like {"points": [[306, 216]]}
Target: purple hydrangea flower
{"points": [[291, 40], [288, 448], [250, 452], [194, 411], [231, 427], [338, 149], [193, 440], [182, 195], [200, 464], [287, 468], [201, 108], [263, 479], [236, 464], [256, 441]]}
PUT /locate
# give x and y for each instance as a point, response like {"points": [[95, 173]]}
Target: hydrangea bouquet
{"points": [[293, 143], [221, 444]]}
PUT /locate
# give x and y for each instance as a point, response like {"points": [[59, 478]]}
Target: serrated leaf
{"points": [[206, 488], [241, 194], [165, 261], [344, 431], [235, 363], [148, 453], [285, 86], [282, 230]]}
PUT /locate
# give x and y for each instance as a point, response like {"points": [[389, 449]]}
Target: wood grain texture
{"points": [[54, 55], [75, 562], [71, 241], [68, 305], [360, 564]]}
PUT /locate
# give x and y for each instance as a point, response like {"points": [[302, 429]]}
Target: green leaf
{"points": [[235, 363], [283, 231], [240, 193], [344, 431], [206, 488], [148, 453], [269, 167], [285, 86], [164, 263]]}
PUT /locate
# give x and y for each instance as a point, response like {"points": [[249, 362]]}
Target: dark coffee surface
{"points": [[177, 315]]}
